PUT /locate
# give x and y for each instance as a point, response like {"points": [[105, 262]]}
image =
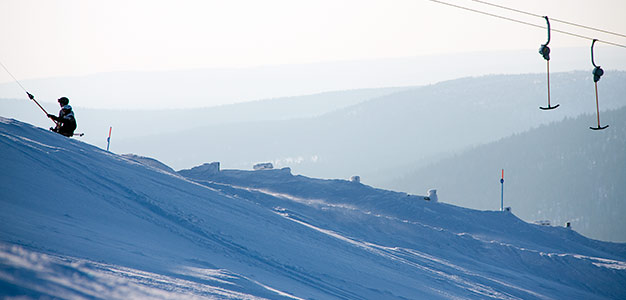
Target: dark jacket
{"points": [[66, 123]]}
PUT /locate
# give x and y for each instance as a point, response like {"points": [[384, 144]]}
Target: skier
{"points": [[66, 123]]}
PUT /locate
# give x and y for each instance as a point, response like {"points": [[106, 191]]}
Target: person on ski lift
{"points": [[66, 123]]}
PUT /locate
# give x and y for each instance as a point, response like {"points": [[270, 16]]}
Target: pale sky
{"points": [[51, 38]]}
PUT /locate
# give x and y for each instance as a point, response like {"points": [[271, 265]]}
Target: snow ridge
{"points": [[79, 222]]}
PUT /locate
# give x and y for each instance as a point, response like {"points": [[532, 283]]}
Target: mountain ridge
{"points": [[131, 124], [448, 116]]}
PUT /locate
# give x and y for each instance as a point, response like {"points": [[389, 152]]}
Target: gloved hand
{"points": [[30, 96], [51, 116]]}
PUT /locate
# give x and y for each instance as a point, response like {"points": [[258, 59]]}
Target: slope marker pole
{"points": [[502, 191], [109, 138]]}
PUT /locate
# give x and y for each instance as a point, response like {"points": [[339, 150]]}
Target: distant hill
{"points": [[559, 172], [136, 123], [391, 131]]}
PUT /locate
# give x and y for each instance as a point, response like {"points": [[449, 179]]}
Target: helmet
{"points": [[64, 101]]}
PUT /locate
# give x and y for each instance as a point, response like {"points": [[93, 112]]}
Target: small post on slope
{"points": [[109, 138], [502, 191]]}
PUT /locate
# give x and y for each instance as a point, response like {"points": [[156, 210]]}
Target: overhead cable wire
{"points": [[552, 19], [524, 22], [5, 68]]}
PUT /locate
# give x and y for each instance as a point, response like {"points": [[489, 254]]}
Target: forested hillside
{"points": [[560, 172]]}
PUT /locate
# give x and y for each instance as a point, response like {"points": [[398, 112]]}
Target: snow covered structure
{"points": [[263, 166], [130, 231], [542, 222], [355, 179], [432, 195]]}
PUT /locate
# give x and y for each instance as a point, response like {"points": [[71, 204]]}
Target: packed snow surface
{"points": [[78, 222]]}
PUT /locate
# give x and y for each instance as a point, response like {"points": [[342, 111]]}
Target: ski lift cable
{"points": [[5, 68], [524, 22], [553, 19], [27, 93]]}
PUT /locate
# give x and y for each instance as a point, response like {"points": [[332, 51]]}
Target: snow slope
{"points": [[79, 222]]}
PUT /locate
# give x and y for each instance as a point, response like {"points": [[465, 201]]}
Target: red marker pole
{"points": [[502, 191], [109, 138]]}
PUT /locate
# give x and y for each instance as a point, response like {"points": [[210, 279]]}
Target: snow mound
{"points": [[204, 170], [150, 162], [79, 222]]}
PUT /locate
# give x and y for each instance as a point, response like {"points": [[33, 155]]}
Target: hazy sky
{"points": [[76, 37]]}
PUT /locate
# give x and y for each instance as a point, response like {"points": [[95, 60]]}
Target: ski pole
{"points": [[597, 105], [44, 111], [548, 74], [33, 98]]}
